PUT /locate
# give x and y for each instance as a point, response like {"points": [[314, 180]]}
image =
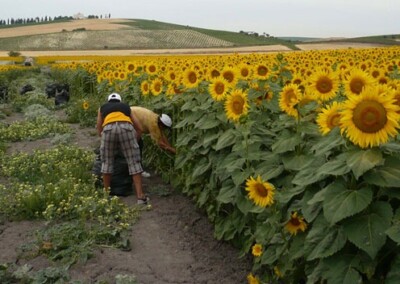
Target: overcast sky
{"points": [[307, 18]]}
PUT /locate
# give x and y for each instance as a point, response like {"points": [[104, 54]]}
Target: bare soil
{"points": [[171, 243]]}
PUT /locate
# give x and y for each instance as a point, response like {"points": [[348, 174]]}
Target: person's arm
{"points": [[164, 144], [99, 124], [137, 126]]}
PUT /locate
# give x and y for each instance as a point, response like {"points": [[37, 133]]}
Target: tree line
{"points": [[24, 21]]}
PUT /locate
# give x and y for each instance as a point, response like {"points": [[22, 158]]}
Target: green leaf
{"points": [[323, 241], [208, 121], [309, 208], [226, 139], [394, 233], [393, 276], [340, 202], [201, 167], [367, 231], [309, 174], [336, 167], [327, 143], [387, 175], [284, 195], [297, 162], [286, 144], [342, 269], [227, 194], [363, 160]]}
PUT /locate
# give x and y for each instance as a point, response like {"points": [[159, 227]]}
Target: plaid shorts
{"points": [[122, 135]]}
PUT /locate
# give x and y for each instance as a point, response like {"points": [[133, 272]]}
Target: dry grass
{"points": [[113, 24], [88, 24]]}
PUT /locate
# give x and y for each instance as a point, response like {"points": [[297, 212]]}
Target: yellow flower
{"points": [[85, 105], [356, 81], [261, 72], [370, 118], [329, 117], [324, 84], [261, 192], [295, 224], [289, 98], [236, 105], [251, 279], [218, 89], [190, 78], [230, 75], [277, 272], [256, 250], [156, 87], [145, 88]]}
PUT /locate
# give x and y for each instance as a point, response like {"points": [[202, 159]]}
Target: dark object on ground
{"points": [[26, 88], [121, 181], [61, 97], [52, 89], [3, 93]]}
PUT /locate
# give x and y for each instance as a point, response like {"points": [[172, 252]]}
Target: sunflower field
{"points": [[295, 157]]}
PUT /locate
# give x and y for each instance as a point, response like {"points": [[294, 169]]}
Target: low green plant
{"points": [[32, 130]]}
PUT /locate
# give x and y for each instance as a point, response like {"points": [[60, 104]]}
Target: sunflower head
{"points": [[260, 192], [256, 250], [251, 279], [289, 98], [218, 89], [85, 105], [356, 81], [329, 118], [236, 105], [370, 118], [295, 224]]}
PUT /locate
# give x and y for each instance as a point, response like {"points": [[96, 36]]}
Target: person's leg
{"points": [[141, 146], [107, 149], [137, 181], [107, 182], [130, 149]]}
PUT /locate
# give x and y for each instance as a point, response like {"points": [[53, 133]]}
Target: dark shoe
{"points": [[143, 201]]}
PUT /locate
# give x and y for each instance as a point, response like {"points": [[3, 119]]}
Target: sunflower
{"points": [[151, 68], [231, 75], [289, 98], [190, 78], [156, 87], [356, 80], [261, 192], [236, 105], [244, 71], [295, 224], [256, 250], [329, 117], [370, 118], [251, 279], [324, 84], [218, 89], [85, 105], [145, 87], [261, 72]]}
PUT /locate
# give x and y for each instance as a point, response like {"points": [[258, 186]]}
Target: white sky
{"points": [[306, 18]]}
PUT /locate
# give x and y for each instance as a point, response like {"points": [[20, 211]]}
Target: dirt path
{"points": [[172, 243]]}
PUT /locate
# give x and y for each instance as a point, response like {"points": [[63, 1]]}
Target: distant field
{"points": [[106, 36]]}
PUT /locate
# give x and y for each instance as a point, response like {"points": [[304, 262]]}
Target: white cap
{"points": [[166, 120], [114, 96]]}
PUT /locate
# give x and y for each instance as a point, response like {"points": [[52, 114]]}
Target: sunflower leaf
{"points": [[387, 175], [342, 270], [286, 144], [340, 202], [323, 241], [393, 276], [328, 142], [394, 233], [367, 231], [363, 160], [226, 139]]}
